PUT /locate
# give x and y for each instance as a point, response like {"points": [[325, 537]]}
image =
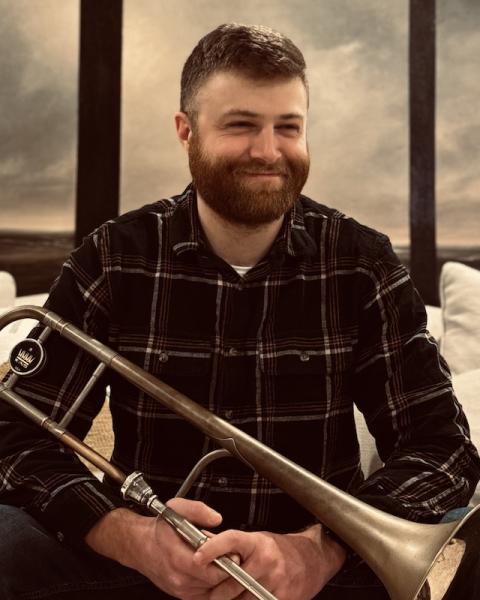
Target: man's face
{"points": [[248, 151]]}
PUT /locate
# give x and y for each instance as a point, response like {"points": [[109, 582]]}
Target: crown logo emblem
{"points": [[24, 358], [27, 357]]}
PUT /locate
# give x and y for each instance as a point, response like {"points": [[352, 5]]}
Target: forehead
{"points": [[226, 92]]}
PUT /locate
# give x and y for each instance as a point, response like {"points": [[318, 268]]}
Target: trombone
{"points": [[414, 561]]}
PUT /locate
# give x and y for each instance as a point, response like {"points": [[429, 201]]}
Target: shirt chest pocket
{"points": [[301, 381], [189, 374]]}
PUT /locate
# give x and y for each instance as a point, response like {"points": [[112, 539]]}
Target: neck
{"points": [[240, 245]]}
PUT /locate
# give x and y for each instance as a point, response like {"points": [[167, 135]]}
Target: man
{"points": [[274, 312]]}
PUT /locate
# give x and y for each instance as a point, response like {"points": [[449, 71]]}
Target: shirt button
{"points": [[228, 414], [304, 357], [232, 352], [222, 481], [163, 357]]}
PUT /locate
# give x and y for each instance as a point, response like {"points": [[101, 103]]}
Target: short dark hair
{"points": [[253, 50]]}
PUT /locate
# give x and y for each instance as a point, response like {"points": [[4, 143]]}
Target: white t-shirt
{"points": [[241, 270]]}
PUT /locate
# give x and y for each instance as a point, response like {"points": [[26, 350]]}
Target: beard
{"points": [[225, 188]]}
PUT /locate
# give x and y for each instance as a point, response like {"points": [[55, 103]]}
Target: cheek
{"points": [[293, 146], [231, 147], [297, 152]]}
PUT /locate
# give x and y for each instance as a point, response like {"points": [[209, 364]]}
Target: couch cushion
{"points": [[17, 330], [8, 289], [434, 321], [460, 299], [467, 389], [369, 458]]}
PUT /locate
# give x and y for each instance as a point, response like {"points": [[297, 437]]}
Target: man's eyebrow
{"points": [[234, 112]]}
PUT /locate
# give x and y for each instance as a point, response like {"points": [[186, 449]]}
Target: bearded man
{"points": [[273, 311]]}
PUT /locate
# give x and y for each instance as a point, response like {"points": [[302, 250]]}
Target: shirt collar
{"points": [[186, 232], [187, 235], [293, 238]]}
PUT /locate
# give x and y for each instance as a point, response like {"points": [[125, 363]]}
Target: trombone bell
{"points": [[454, 561]]}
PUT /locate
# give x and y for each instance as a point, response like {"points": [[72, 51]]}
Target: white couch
{"points": [[455, 325]]}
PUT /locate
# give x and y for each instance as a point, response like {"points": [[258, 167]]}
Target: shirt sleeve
{"points": [[37, 472], [406, 396]]}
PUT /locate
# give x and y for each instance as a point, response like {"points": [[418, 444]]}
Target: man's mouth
{"points": [[262, 174]]}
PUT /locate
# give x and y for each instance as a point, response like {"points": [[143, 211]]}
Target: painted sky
{"points": [[356, 51]]}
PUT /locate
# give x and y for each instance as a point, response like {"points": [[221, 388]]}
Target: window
{"points": [[458, 130], [38, 62]]}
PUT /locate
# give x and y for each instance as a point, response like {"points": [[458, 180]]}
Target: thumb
{"points": [[196, 512]]}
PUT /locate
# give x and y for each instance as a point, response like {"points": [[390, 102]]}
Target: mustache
{"points": [[258, 167]]}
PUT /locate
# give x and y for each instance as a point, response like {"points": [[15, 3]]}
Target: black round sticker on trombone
{"points": [[27, 357]]}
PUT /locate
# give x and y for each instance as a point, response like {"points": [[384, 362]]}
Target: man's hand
{"points": [[153, 548], [294, 566]]}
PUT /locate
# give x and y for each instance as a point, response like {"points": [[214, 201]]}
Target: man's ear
{"points": [[184, 128]]}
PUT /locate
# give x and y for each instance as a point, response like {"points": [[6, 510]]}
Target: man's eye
{"points": [[289, 127], [240, 124]]}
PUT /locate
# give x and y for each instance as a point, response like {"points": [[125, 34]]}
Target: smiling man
{"points": [[275, 312]]}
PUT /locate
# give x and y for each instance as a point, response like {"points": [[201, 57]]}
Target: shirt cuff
{"points": [[394, 507], [71, 513]]}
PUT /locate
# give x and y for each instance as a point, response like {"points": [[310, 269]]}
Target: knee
{"points": [[22, 542], [19, 532]]}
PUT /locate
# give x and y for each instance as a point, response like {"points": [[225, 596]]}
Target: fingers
{"points": [[180, 572], [236, 558], [197, 512], [230, 589], [238, 545], [228, 542], [256, 551]]}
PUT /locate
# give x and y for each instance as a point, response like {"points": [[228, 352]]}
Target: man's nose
{"points": [[265, 146]]}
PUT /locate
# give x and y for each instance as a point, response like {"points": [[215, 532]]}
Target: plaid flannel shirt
{"points": [[327, 319]]}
